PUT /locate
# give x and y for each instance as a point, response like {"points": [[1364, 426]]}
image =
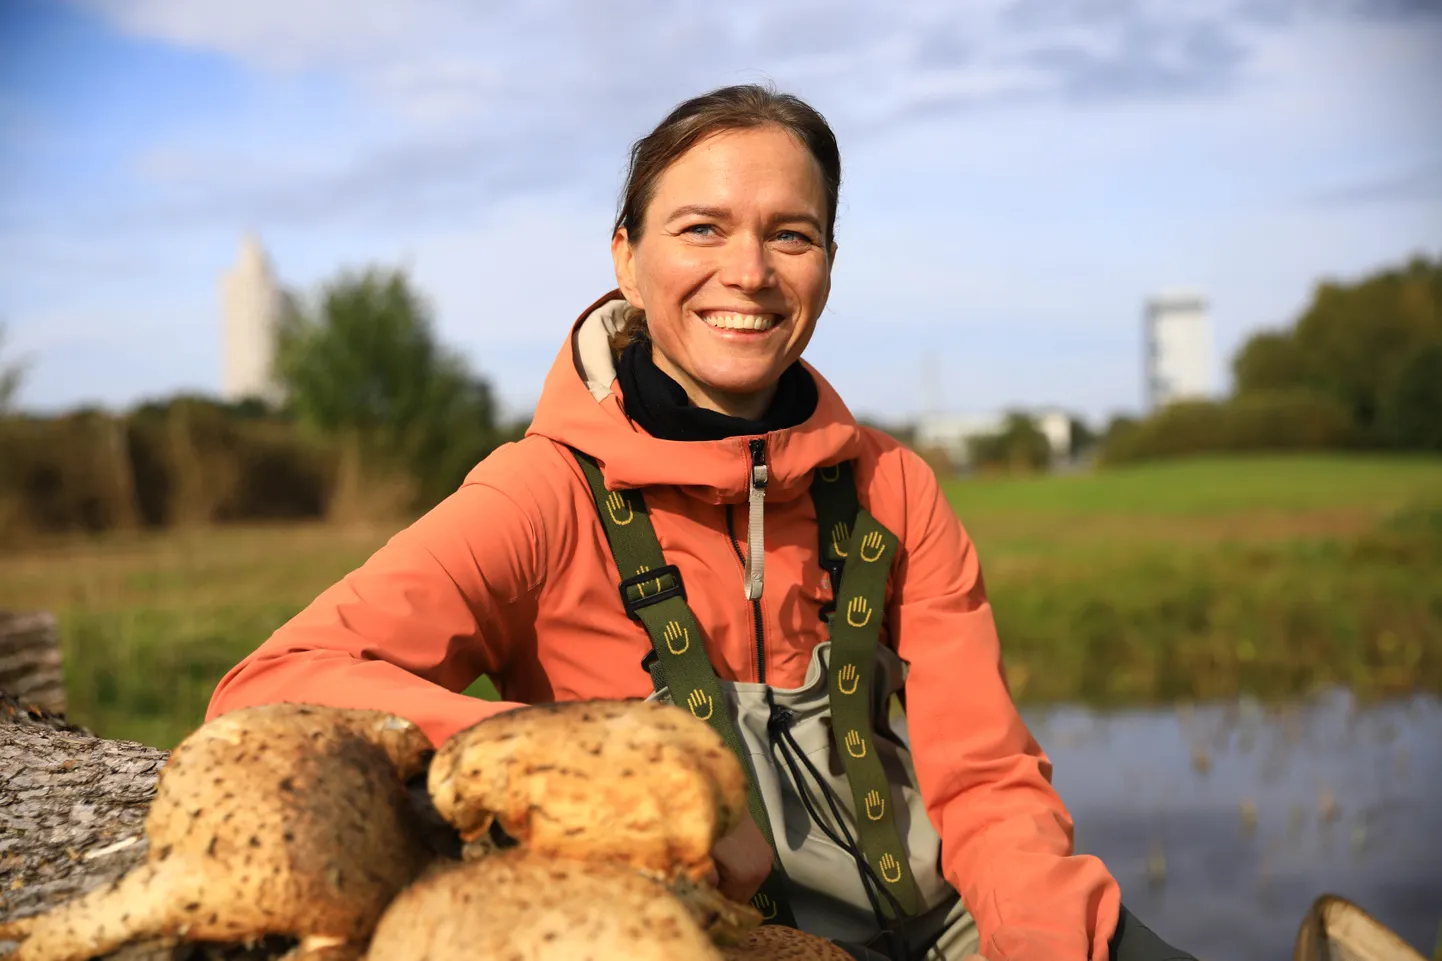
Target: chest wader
{"points": [[830, 779]]}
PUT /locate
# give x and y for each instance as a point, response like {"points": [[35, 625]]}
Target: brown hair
{"points": [[729, 108]]}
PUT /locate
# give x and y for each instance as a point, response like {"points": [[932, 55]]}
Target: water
{"points": [[1223, 823]]}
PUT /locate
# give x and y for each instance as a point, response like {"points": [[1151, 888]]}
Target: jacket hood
{"points": [[581, 407]]}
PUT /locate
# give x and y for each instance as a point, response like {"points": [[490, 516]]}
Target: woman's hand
{"points": [[743, 861]]}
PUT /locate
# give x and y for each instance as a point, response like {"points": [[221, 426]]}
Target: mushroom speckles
{"points": [[285, 819], [295, 820], [630, 782], [517, 905], [774, 943]]}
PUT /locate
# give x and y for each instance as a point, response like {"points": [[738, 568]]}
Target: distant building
{"points": [[251, 305], [1178, 349], [952, 434]]}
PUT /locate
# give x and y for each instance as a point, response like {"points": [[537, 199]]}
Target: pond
{"points": [[1224, 822]]}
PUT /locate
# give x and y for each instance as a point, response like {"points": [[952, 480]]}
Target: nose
{"points": [[746, 264]]}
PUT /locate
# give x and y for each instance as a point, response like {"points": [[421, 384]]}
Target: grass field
{"points": [[1173, 581], [1210, 577]]}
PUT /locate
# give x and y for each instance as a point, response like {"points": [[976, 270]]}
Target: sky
{"points": [[1019, 175]]}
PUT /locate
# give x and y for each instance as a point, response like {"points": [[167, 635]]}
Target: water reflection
{"points": [[1224, 822]]}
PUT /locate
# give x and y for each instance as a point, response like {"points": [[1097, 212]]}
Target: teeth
{"points": [[734, 321]]}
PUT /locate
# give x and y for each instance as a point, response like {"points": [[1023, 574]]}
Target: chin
{"points": [[750, 383]]}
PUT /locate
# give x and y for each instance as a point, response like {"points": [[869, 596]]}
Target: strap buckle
{"points": [[651, 587]]}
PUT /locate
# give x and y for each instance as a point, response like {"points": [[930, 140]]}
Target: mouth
{"points": [[745, 320]]}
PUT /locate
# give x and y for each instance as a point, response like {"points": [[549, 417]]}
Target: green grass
{"points": [[1210, 486], [1179, 580], [1211, 577]]}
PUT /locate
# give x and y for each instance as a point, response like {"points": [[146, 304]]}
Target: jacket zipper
{"points": [[758, 460]]}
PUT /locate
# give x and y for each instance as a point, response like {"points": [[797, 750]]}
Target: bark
{"points": [[72, 812], [30, 665]]}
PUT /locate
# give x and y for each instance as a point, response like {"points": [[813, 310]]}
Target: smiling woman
{"points": [[678, 424]]}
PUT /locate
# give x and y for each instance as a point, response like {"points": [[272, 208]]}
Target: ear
{"points": [[623, 256], [831, 256]]}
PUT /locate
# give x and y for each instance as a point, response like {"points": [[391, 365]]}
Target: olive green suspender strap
{"points": [[652, 592], [857, 553]]}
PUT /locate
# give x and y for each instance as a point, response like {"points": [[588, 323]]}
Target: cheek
{"points": [[811, 283], [671, 276]]}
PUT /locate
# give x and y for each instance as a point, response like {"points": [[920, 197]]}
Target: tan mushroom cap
{"points": [[516, 906], [631, 782], [282, 819], [777, 943]]}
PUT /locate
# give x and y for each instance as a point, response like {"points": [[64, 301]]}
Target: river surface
{"points": [[1224, 822]]}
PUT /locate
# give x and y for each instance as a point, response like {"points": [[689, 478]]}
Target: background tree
{"points": [[1019, 446], [1270, 361], [12, 374], [1082, 439], [365, 369], [1353, 344], [1411, 411]]}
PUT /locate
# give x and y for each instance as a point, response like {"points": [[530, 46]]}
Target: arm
{"points": [[409, 630], [1006, 836]]}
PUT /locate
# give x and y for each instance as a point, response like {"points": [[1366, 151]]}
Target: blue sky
{"points": [[1020, 174]]}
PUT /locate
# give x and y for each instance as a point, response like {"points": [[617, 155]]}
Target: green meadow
{"points": [[1158, 583]]}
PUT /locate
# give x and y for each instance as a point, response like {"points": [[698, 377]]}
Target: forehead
{"points": [[757, 168]]}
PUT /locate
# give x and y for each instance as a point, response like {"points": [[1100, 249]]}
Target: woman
{"points": [[681, 399]]}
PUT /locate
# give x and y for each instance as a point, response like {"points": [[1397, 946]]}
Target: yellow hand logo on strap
{"points": [[848, 678], [766, 906], [858, 612], [614, 503], [676, 633], [872, 547], [890, 869], [855, 746], [840, 536], [875, 806], [641, 587], [698, 700], [830, 474]]}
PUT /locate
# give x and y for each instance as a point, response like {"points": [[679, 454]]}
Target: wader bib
{"points": [[829, 771]]}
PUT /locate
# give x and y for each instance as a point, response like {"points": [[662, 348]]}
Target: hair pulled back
{"points": [[730, 108]]}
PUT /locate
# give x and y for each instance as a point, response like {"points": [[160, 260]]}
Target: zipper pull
{"points": [[756, 521]]}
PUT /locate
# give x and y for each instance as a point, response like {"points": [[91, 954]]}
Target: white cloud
{"points": [[1019, 172]]}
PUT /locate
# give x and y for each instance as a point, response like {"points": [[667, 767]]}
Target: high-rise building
{"points": [[251, 304], [1178, 349]]}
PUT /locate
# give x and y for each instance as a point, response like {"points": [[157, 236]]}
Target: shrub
{"points": [[1260, 420]]}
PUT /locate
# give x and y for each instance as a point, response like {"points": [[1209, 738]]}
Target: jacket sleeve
{"points": [[1006, 836], [412, 627]]}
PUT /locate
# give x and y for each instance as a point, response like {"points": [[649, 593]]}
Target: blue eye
{"points": [[699, 230], [793, 237]]}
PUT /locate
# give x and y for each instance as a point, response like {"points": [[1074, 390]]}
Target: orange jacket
{"points": [[511, 577]]}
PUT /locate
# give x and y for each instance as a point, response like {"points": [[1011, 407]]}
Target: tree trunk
{"points": [[72, 812]]}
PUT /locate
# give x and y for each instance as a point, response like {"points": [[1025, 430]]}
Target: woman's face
{"points": [[732, 267]]}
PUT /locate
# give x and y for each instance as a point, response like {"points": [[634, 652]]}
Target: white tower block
{"points": [[1178, 346], [251, 305]]}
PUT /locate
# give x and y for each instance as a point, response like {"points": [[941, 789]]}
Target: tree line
{"points": [[1360, 368], [382, 420], [379, 420]]}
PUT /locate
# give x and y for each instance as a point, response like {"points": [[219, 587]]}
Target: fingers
{"points": [[743, 861]]}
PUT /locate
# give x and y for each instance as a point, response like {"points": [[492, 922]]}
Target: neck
{"points": [[749, 406]]}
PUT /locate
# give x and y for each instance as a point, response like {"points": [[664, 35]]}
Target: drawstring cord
{"points": [[778, 726]]}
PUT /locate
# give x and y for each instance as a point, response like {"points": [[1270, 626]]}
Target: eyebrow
{"points": [[720, 213]]}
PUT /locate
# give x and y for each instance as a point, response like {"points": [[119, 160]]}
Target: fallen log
{"points": [[30, 660]]}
